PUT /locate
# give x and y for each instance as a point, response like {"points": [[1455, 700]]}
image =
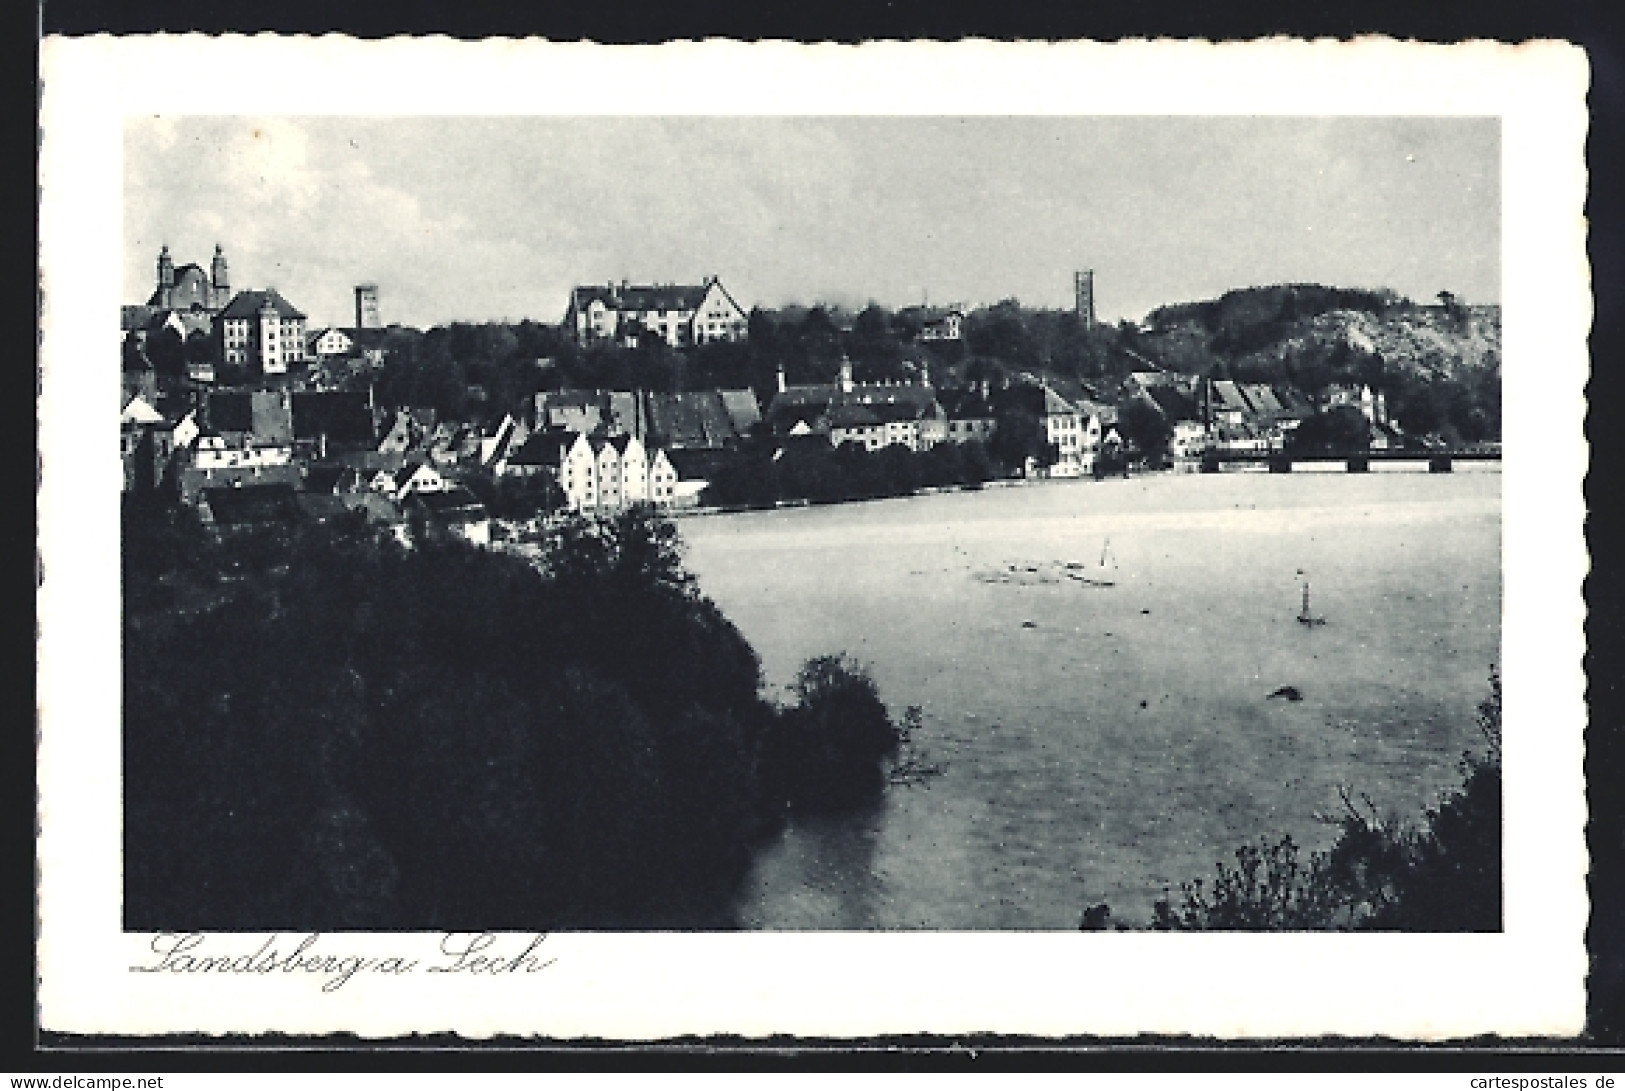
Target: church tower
{"points": [[166, 276], [221, 295]]}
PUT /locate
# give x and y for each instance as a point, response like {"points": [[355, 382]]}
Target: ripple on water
{"points": [[1060, 790]]}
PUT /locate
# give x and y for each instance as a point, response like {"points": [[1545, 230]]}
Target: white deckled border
{"points": [[1525, 981]]}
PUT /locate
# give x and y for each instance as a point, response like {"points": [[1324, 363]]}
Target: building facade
{"points": [[331, 342], [872, 415], [683, 315], [601, 473], [262, 332], [948, 326]]}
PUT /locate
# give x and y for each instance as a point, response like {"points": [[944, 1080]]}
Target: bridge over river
{"points": [[1438, 461]]}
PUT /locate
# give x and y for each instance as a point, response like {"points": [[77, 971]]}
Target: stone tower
{"points": [[1083, 284], [166, 276], [366, 307], [219, 278]]}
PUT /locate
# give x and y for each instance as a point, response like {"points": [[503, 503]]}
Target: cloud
{"points": [[478, 218]]}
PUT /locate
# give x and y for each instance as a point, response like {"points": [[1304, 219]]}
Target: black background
{"points": [[1596, 26]]}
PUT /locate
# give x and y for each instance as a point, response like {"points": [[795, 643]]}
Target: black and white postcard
{"points": [[759, 539]]}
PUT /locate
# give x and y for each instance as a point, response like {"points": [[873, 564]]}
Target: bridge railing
{"points": [[1459, 454]]}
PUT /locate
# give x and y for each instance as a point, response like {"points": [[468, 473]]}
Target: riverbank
{"points": [[523, 532], [929, 490]]}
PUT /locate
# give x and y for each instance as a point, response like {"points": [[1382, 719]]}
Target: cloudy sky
{"points": [[492, 218]]}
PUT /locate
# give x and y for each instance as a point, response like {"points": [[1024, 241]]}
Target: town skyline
{"points": [[838, 210]]}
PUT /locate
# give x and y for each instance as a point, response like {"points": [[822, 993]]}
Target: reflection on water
{"points": [[840, 886], [1103, 743]]}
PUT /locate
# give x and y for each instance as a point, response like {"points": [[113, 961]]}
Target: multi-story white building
{"points": [[564, 455], [634, 466], [916, 424], [1064, 429], [682, 314], [607, 466], [214, 452], [662, 480], [600, 473], [262, 332]]}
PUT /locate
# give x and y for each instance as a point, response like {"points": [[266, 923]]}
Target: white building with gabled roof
{"points": [[682, 314], [261, 331], [410, 479]]}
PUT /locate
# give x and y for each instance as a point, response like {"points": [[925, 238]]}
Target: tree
{"points": [[873, 325], [1017, 436], [1001, 332], [985, 369], [977, 463], [873, 346], [1145, 428], [654, 364], [1089, 353], [441, 737], [1418, 405], [1183, 349], [829, 750], [907, 323], [727, 365], [517, 497], [167, 352], [1453, 883], [634, 547], [818, 336], [1315, 368], [1342, 429], [1443, 875], [135, 357], [762, 329], [199, 349], [1269, 890], [534, 340]]}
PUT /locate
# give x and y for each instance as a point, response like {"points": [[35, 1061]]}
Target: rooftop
{"points": [[249, 304]]}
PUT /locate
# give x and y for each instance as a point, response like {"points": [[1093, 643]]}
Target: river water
{"points": [[1101, 744]]}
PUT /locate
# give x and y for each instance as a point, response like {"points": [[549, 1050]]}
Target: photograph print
{"points": [[811, 523]]}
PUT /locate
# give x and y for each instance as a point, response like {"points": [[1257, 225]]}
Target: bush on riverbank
{"points": [[830, 750], [324, 730], [1441, 876]]}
